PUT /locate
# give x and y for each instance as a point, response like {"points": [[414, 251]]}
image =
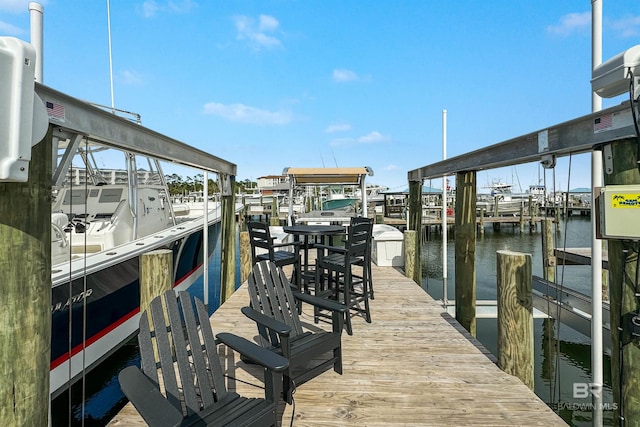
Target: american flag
{"points": [[55, 111], [602, 123]]}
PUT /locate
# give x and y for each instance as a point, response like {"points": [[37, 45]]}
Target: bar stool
{"points": [[335, 277]]}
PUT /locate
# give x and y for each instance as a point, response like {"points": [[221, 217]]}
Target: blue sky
{"points": [[276, 83]]}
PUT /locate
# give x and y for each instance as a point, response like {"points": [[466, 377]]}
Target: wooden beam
{"points": [[101, 125], [575, 136]]}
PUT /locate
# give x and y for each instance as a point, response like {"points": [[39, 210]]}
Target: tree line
{"points": [[179, 185]]}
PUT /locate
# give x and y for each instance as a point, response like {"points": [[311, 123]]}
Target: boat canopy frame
{"points": [[327, 176]]}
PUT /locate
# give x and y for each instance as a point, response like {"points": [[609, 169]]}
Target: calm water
{"points": [[558, 364], [562, 356]]}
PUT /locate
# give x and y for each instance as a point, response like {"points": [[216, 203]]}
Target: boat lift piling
{"points": [[618, 142], [25, 268]]}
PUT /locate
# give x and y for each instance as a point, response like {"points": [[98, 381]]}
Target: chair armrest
{"points": [[266, 321], [320, 302], [145, 396], [253, 352]]}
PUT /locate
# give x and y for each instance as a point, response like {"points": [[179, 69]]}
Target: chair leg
{"points": [[366, 292], [370, 276], [347, 302]]}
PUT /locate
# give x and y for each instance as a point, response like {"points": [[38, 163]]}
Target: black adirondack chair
{"points": [[335, 277], [260, 238], [194, 386], [274, 309]]}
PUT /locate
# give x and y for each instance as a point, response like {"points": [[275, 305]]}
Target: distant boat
{"points": [[337, 199], [508, 203]]}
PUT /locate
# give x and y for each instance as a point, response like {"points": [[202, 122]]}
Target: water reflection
{"points": [[562, 356]]}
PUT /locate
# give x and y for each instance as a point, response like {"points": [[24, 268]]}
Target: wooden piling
{"points": [[415, 224], [245, 256], [548, 256], [228, 240], [515, 315], [275, 219], [465, 250], [625, 354], [409, 254], [156, 275], [521, 219], [25, 300], [482, 221]]}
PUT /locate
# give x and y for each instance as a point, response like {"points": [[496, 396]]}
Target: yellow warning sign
{"points": [[625, 201]]}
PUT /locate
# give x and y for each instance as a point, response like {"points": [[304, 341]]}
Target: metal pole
{"points": [[113, 106], [444, 213], [35, 14], [596, 244], [205, 238]]}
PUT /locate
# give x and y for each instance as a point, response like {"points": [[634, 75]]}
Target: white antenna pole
{"points": [[596, 244], [444, 213], [113, 106], [35, 14]]}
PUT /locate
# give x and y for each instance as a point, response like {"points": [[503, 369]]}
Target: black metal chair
{"points": [[335, 276], [366, 260], [273, 308], [178, 349], [260, 238]]}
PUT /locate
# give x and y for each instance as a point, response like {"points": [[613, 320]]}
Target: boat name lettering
{"points": [[59, 306]]}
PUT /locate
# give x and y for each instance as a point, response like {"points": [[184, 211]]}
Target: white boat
{"points": [[103, 220], [508, 203]]}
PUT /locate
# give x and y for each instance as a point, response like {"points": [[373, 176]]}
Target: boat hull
{"points": [[95, 314]]}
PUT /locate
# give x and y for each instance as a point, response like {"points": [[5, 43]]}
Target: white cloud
{"points": [[246, 114], [150, 8], [268, 23], [256, 33], [129, 77], [571, 23], [372, 138], [338, 127], [342, 75], [391, 167], [628, 26], [10, 30]]}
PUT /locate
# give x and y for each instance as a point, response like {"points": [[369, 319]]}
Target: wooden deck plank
{"points": [[413, 365]]}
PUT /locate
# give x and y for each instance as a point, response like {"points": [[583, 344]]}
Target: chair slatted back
{"points": [[358, 240], [182, 335], [270, 293], [259, 237]]}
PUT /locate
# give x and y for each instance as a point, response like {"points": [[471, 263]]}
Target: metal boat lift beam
{"points": [[111, 130], [580, 135]]}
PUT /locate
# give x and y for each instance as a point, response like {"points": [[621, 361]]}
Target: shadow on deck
{"points": [[413, 365]]}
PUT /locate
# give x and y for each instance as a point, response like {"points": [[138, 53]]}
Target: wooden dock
{"points": [[413, 365]]}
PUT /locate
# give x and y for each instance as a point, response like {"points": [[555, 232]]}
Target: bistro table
{"points": [[317, 232]]}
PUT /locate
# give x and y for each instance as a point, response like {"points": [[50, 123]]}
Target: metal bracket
{"points": [[548, 161], [607, 157]]}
